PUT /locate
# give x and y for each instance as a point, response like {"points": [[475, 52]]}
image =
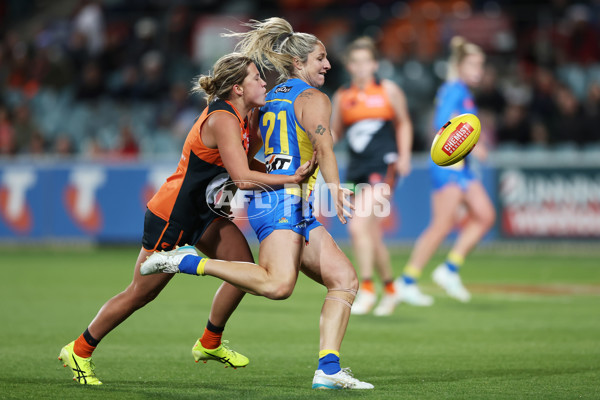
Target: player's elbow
{"points": [[323, 150], [241, 180], [242, 184]]}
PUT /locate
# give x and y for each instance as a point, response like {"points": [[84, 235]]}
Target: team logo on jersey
{"points": [[224, 198], [80, 197], [283, 89], [278, 161], [362, 132], [220, 193], [14, 207]]}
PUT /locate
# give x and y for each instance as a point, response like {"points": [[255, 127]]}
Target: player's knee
{"points": [[490, 218], [279, 290], [343, 278], [487, 218], [279, 287], [138, 299], [141, 301], [357, 229], [352, 284], [353, 230]]}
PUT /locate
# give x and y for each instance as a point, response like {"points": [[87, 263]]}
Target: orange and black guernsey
{"points": [[368, 118], [182, 199]]}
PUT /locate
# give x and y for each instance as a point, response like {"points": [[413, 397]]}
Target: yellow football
{"points": [[455, 139]]}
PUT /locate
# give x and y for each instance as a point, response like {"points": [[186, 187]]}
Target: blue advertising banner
{"points": [[106, 202], [76, 200]]}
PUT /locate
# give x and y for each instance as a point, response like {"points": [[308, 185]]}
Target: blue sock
{"points": [[330, 364], [189, 264], [452, 267], [408, 280]]}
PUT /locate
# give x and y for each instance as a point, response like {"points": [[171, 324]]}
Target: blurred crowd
{"points": [[112, 78]]}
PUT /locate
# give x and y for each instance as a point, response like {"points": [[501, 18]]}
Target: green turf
{"points": [[505, 344]]}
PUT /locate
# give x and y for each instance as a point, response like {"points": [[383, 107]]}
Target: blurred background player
{"points": [[223, 140], [373, 115], [456, 189], [295, 123]]}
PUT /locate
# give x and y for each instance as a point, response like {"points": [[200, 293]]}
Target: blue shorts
{"points": [[442, 176], [277, 210]]}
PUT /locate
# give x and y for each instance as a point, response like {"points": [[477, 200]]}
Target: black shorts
{"points": [[166, 235], [372, 174]]}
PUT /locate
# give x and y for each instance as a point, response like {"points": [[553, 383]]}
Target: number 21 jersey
{"points": [[286, 144]]}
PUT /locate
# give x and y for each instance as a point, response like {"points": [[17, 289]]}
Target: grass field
{"points": [[532, 331]]}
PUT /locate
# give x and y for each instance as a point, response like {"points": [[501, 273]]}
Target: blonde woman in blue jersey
{"points": [[456, 186], [294, 125]]}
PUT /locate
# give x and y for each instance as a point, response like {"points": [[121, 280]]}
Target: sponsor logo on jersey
{"points": [[456, 138], [277, 162], [301, 225], [375, 101], [283, 89], [283, 220]]}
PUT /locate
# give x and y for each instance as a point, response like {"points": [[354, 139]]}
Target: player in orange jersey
{"points": [[221, 144], [373, 115], [295, 123]]}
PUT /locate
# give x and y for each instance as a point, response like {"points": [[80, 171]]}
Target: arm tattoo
{"points": [[320, 130], [306, 93], [311, 137]]}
